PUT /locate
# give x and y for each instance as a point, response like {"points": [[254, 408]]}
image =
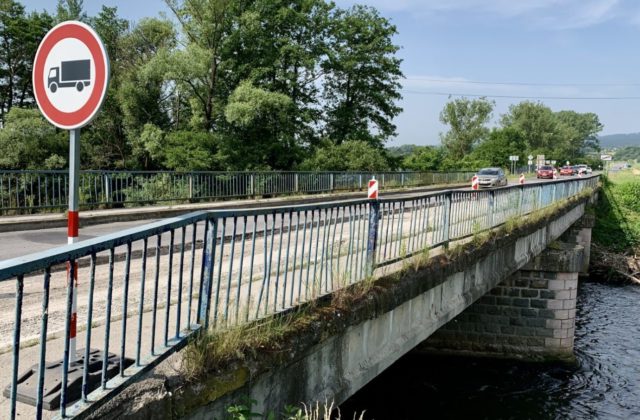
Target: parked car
{"points": [[566, 170], [491, 177], [545, 171], [589, 170]]}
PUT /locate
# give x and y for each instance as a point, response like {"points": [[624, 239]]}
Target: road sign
{"points": [[606, 157], [373, 189], [530, 157], [70, 75], [70, 78], [529, 162]]}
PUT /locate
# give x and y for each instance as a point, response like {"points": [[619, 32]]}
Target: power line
{"points": [[475, 95], [479, 82]]}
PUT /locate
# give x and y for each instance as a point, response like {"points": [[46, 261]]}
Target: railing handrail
{"points": [[36, 261]]}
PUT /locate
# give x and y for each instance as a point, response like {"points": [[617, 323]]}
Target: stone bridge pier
{"points": [[531, 314]]}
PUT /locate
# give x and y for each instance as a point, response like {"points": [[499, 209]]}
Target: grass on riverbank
{"points": [[618, 212], [616, 235]]}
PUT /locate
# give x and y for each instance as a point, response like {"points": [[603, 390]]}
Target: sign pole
{"points": [[72, 232]]}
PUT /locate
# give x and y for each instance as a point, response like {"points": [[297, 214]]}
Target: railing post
{"points": [[191, 186], [372, 239], [402, 179], [492, 197], [360, 182], [207, 278], [331, 184], [447, 213], [520, 211], [107, 188], [296, 184], [252, 185]]}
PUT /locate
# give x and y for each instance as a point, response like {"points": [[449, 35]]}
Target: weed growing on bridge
{"points": [[217, 347], [244, 411]]}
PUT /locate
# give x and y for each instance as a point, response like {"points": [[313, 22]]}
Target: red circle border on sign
{"points": [[84, 115]]}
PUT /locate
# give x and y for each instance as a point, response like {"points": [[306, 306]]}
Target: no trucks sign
{"points": [[70, 75]]}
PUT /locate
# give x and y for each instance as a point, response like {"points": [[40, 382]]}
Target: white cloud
{"points": [[547, 14]]}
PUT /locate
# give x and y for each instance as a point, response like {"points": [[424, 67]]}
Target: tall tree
{"points": [[205, 25], [20, 35], [362, 81], [70, 10], [467, 119]]}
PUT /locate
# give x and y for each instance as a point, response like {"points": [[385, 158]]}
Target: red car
{"points": [[567, 170], [545, 172]]}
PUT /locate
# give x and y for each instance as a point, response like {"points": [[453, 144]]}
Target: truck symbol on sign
{"points": [[70, 73]]}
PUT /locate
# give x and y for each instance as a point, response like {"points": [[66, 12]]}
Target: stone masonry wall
{"points": [[529, 315]]}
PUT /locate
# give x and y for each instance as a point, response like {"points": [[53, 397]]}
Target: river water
{"points": [[604, 383]]}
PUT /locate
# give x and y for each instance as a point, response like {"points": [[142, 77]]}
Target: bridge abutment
{"points": [[530, 315]]}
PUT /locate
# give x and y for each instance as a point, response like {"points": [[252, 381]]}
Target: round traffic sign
{"points": [[70, 75]]}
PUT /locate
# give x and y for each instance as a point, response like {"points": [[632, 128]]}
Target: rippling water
{"points": [[604, 383]]}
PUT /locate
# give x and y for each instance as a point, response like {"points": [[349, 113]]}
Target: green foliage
{"points": [[362, 80], [629, 153], [352, 155], [500, 144], [618, 214], [20, 34], [27, 140], [426, 158], [467, 119], [189, 151]]}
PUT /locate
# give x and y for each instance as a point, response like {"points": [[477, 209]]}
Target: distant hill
{"points": [[619, 140]]}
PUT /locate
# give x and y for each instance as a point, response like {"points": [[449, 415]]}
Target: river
{"points": [[604, 383]]}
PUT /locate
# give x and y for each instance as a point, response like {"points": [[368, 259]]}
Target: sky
{"points": [[579, 55]]}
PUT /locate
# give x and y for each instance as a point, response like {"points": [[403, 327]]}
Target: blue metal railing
{"points": [[142, 293], [23, 191]]}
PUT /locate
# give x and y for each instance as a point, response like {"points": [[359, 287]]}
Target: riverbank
{"points": [[615, 252]]}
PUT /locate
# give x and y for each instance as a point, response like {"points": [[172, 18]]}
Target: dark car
{"points": [[491, 177], [545, 172], [566, 170]]}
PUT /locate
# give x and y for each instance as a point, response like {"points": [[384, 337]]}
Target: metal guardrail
{"points": [[166, 281], [22, 191]]}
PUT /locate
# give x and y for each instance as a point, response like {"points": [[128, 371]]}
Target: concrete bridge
{"points": [[358, 284]]}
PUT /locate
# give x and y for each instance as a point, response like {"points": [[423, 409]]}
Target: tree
{"points": [[499, 145], [70, 10], [362, 77], [20, 35], [426, 158], [467, 119], [142, 94], [260, 119], [538, 125], [585, 127], [206, 25], [351, 155], [27, 140]]}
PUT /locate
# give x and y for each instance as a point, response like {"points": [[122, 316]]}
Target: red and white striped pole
{"points": [[521, 180], [372, 191], [73, 221], [475, 183]]}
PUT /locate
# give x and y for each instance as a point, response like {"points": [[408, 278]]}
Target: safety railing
{"points": [[142, 293], [28, 191]]}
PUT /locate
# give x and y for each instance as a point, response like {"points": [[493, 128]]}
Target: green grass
{"points": [[618, 211]]}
